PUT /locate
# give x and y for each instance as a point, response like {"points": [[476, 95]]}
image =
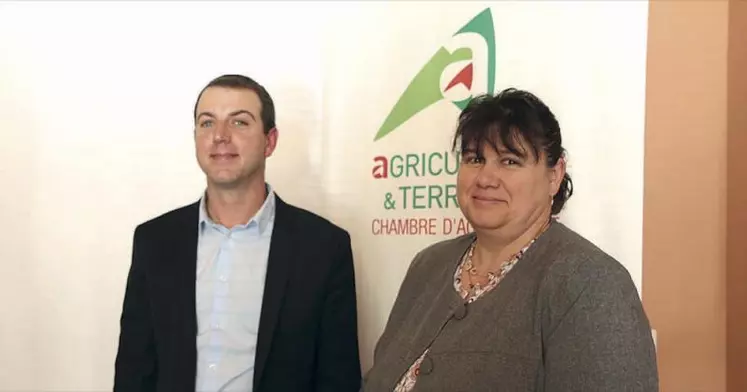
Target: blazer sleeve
{"points": [[596, 334], [135, 364], [338, 360]]}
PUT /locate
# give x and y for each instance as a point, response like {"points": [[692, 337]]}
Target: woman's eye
{"points": [[472, 160]]}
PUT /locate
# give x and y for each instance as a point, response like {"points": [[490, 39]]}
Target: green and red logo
{"points": [[426, 88]]}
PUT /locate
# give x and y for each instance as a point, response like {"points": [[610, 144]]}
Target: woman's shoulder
{"points": [[441, 253], [566, 247], [572, 261], [450, 245]]}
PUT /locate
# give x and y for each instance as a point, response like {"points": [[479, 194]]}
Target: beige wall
{"points": [[687, 254], [736, 245]]}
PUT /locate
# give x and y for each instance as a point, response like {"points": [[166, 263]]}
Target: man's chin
{"points": [[224, 182], [225, 179]]}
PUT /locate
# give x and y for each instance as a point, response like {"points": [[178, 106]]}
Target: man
{"points": [[238, 291]]}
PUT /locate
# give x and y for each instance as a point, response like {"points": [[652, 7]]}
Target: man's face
{"points": [[230, 142]]}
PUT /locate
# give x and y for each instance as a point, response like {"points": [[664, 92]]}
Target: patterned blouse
{"points": [[407, 383]]}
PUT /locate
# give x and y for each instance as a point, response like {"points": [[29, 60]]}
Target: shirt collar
{"points": [[264, 216]]}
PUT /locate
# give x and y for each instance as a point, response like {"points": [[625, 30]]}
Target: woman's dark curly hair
{"points": [[507, 119]]}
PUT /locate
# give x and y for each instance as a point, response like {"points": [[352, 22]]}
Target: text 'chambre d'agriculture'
{"points": [[438, 198]]}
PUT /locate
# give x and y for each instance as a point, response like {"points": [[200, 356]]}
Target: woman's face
{"points": [[501, 190]]}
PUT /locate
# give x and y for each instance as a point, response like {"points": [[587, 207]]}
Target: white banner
{"points": [[393, 110], [97, 101]]}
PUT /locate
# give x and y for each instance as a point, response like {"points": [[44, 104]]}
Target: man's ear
{"points": [[271, 141]]}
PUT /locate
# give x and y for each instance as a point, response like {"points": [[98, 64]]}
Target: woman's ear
{"points": [[556, 174]]}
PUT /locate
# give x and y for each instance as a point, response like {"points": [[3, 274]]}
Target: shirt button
{"points": [[223, 278], [460, 312], [212, 366]]}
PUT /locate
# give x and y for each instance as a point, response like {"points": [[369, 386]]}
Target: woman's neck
{"points": [[492, 249]]}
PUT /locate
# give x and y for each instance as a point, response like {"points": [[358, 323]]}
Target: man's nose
{"points": [[221, 133]]}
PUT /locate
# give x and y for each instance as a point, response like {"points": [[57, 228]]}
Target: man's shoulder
{"points": [[312, 222], [169, 219]]}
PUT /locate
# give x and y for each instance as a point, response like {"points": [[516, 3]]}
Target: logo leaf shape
{"points": [[424, 90]]}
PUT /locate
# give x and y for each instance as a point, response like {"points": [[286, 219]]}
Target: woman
{"points": [[523, 303]]}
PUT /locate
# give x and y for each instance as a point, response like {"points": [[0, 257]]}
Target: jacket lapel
{"points": [[422, 327], [278, 266], [182, 250], [445, 304]]}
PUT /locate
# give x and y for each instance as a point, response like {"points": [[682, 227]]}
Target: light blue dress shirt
{"points": [[230, 281]]}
